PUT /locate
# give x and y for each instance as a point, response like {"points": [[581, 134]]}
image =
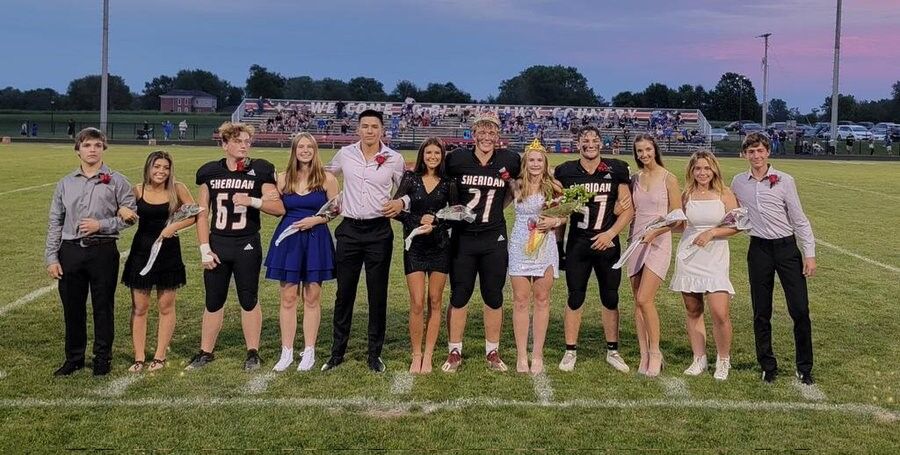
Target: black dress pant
{"points": [[369, 243], [86, 269], [765, 258]]}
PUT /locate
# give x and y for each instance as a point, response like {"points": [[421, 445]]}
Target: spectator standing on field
{"points": [[182, 129]]}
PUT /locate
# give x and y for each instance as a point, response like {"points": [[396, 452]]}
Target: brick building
{"points": [[187, 101]]}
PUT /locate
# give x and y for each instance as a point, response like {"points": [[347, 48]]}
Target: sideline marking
{"points": [[845, 187], [542, 388], [809, 392], [38, 293], [675, 387], [259, 383], [371, 404], [862, 258], [402, 383], [116, 387]]}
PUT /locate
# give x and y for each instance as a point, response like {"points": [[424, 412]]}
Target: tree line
{"points": [[733, 97]]}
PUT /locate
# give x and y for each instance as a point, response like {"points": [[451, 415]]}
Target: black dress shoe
{"points": [[769, 376], [332, 363], [102, 367], [376, 365], [805, 378], [68, 368]]}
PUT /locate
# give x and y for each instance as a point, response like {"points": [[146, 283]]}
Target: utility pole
{"points": [[835, 96], [765, 62], [104, 74]]}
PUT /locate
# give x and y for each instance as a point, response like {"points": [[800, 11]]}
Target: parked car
{"points": [[718, 134], [844, 132], [734, 126], [747, 128], [881, 129], [868, 125]]}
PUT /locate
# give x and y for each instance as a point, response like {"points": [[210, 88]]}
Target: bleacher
{"points": [[452, 123]]}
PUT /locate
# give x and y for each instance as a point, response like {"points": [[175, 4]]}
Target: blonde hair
{"points": [[316, 179], [545, 184], [232, 130], [716, 183], [169, 185]]}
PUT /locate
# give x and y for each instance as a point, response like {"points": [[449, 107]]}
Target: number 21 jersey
{"points": [[483, 188]]}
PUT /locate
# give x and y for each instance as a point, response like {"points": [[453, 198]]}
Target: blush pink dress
{"points": [[649, 206]]}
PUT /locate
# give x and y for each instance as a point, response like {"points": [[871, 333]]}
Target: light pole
{"points": [[52, 122], [104, 71], [765, 103], [835, 96]]}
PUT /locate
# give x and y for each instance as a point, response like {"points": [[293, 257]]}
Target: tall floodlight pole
{"points": [[834, 84], [104, 75], [765, 62]]}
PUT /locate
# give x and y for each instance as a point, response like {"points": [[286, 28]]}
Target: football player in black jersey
{"points": [[483, 177], [233, 191], [593, 241]]}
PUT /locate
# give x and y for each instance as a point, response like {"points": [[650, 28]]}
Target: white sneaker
{"points": [[613, 358], [287, 358], [698, 367], [568, 361], [307, 359], [723, 366]]}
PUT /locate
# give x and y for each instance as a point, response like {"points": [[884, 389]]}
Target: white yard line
{"points": [[395, 406], [116, 387], [675, 387], [37, 293], [809, 392], [259, 383], [402, 383], [862, 258], [542, 388], [848, 187]]}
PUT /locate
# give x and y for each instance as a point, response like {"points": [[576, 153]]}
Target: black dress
{"points": [[168, 270], [429, 252]]}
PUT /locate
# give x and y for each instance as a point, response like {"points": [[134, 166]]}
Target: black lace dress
{"points": [[428, 252]]}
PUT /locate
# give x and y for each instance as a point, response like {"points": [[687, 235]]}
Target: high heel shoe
{"points": [[662, 365]]}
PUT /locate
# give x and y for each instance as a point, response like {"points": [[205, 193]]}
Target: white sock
{"points": [[287, 357], [488, 347], [307, 359], [457, 346]]}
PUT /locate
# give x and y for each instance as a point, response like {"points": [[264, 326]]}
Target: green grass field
{"points": [[853, 207]]}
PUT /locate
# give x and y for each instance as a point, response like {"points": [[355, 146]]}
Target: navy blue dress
{"points": [[307, 256]]}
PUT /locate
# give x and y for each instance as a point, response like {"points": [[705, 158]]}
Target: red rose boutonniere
{"points": [[104, 178], [773, 179], [380, 159], [504, 174], [603, 167]]}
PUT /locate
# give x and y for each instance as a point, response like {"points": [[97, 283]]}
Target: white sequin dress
{"points": [[521, 264]]}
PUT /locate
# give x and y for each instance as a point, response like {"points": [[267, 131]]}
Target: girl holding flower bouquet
{"points": [[533, 258], [655, 193], [705, 272], [306, 258], [159, 196], [427, 260]]}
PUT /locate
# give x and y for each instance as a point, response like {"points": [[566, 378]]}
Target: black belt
{"points": [[784, 240], [365, 222], [85, 242]]}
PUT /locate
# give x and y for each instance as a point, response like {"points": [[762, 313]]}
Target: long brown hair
{"points": [[316, 179], [648, 138], [546, 185], [169, 185], [716, 183]]}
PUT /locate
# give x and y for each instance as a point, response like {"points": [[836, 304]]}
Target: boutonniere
{"points": [[773, 179], [380, 159], [104, 178], [504, 174], [603, 167], [241, 165]]}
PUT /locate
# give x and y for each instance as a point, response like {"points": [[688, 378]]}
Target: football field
{"points": [[854, 208]]}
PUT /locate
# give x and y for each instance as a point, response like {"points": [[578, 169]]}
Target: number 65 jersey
{"points": [[598, 214], [483, 188], [223, 184]]}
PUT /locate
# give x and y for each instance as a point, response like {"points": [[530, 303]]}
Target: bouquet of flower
{"points": [[664, 221], [329, 211], [735, 218], [184, 212], [456, 213], [571, 201]]}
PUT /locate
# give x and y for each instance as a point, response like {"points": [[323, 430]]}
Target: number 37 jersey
{"points": [[483, 188], [223, 184], [598, 214]]}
